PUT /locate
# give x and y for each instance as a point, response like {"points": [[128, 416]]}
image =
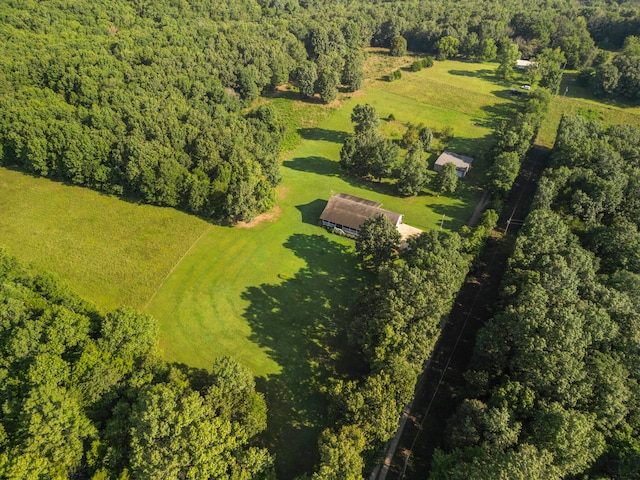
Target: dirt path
{"points": [[438, 390], [482, 204]]}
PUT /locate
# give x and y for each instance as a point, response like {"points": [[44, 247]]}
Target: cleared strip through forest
{"points": [[437, 393]]}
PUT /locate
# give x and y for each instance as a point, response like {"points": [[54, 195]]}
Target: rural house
{"points": [[345, 213], [462, 162]]}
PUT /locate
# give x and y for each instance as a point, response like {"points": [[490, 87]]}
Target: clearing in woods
{"points": [[272, 296]]}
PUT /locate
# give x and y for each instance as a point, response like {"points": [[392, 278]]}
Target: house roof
{"points": [[462, 162], [350, 211], [353, 198]]}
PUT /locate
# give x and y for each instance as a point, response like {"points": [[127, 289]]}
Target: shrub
{"points": [[396, 75]]}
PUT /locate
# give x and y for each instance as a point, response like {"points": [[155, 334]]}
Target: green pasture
{"points": [[578, 100], [110, 251], [272, 296], [209, 283]]}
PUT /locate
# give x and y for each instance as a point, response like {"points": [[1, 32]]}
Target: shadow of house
{"points": [[311, 211], [302, 323]]}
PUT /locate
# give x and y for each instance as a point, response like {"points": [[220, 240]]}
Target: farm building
{"points": [[525, 64], [345, 213], [462, 162]]}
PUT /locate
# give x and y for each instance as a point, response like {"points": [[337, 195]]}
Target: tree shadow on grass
{"points": [[457, 214], [485, 73], [571, 82], [302, 324], [319, 165], [330, 168], [452, 216], [473, 147], [324, 134]]}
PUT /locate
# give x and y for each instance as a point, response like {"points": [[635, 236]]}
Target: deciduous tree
{"points": [[377, 242], [446, 180]]}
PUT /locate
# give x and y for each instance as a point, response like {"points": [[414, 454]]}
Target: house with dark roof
{"points": [[462, 162], [345, 213]]}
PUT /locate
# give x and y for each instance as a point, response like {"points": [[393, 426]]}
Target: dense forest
{"points": [[553, 386], [149, 98], [85, 395], [159, 101]]}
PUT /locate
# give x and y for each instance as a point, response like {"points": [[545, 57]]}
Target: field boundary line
{"points": [[175, 266]]}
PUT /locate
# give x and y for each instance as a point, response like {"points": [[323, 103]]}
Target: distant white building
{"points": [[462, 162], [525, 64]]}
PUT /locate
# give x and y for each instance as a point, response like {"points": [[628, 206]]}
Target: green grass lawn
{"points": [[272, 296]]}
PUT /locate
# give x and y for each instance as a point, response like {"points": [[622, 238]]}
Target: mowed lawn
{"points": [[273, 296], [201, 306]]}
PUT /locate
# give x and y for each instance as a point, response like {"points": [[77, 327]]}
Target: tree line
{"points": [[552, 391], [513, 139], [149, 100], [85, 395], [394, 327]]}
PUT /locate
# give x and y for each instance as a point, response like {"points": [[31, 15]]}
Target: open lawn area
{"points": [[273, 294]]}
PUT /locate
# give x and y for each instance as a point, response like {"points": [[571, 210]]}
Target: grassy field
{"points": [[272, 296], [579, 100], [109, 251]]}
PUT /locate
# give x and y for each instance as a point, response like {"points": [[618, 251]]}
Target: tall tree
{"points": [[448, 47], [414, 173], [446, 180], [352, 72], [550, 67], [377, 242], [398, 46], [507, 57], [503, 172], [365, 119], [307, 75]]}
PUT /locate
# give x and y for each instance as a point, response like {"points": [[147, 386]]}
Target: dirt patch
{"points": [[282, 192], [270, 216]]}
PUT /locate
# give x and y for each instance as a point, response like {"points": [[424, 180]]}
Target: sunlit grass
{"points": [[578, 100], [110, 251]]}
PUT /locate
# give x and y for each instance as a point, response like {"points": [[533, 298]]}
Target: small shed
{"points": [[462, 162], [345, 213], [525, 64]]}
